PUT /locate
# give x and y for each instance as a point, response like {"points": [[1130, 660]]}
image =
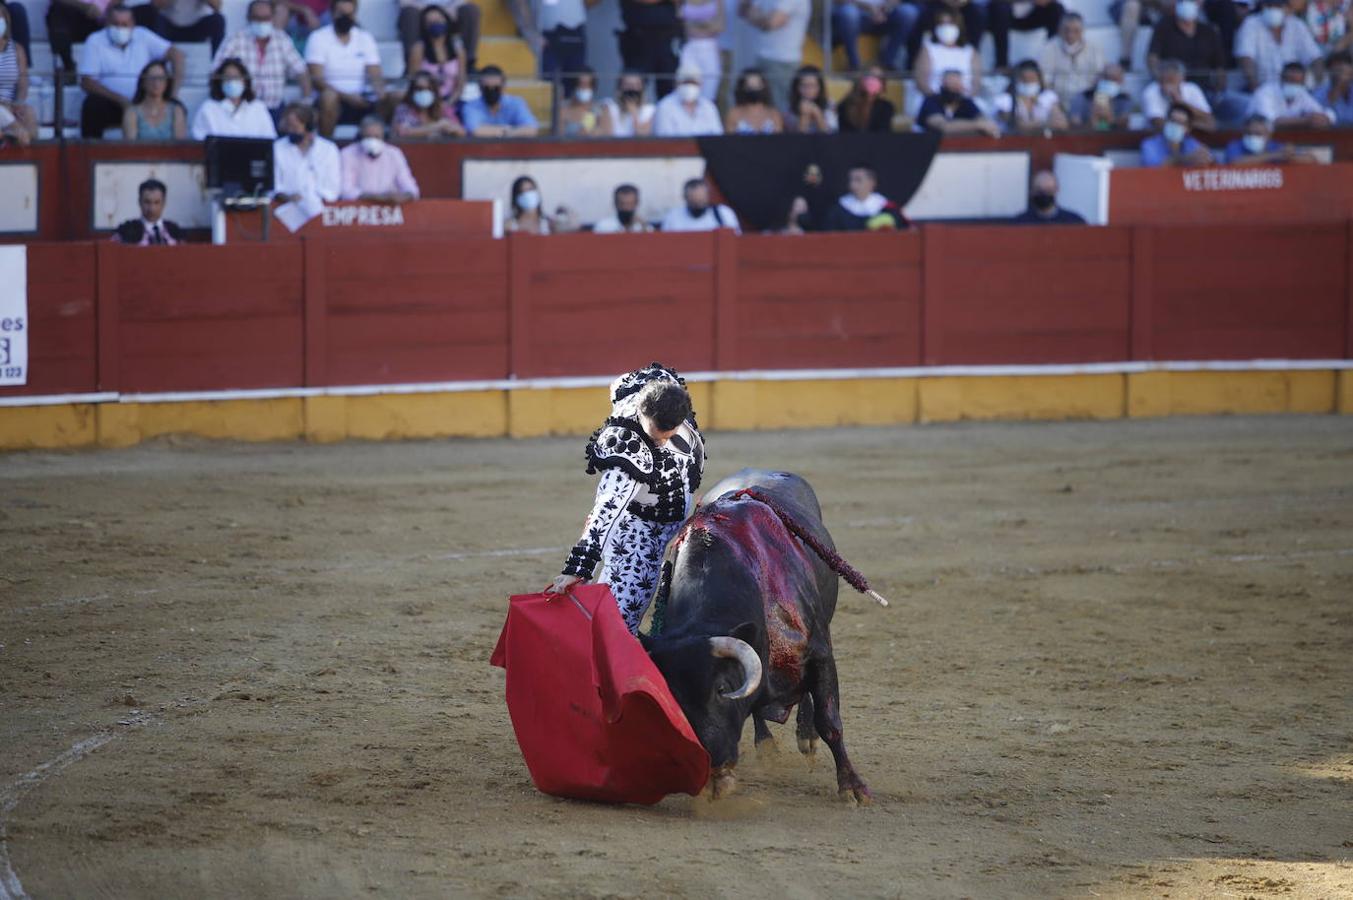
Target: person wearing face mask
{"points": [[1030, 107], [424, 114], [752, 112], [581, 113], [462, 21], [1269, 40], [696, 212], [1256, 147], [527, 215], [111, 66], [626, 219], [1105, 106], [345, 65], [627, 114], [865, 108], [1290, 104], [1071, 64], [307, 170], [374, 170], [1172, 89], [685, 112], [951, 112], [495, 113], [269, 56], [780, 26], [1174, 146], [233, 110], [950, 51], [440, 53], [1195, 44], [1043, 208]]}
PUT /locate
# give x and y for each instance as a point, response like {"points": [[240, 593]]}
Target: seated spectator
{"points": [[1105, 106], [462, 20], [1174, 146], [269, 56], [1337, 91], [22, 126], [1257, 147], [865, 108], [153, 115], [1171, 90], [1196, 45], [439, 51], [1290, 104], [581, 115], [1269, 40], [629, 115], [1330, 21], [374, 170], [17, 26], [698, 214], [703, 21], [424, 114], [949, 52], [496, 114], [233, 110], [685, 112], [1071, 64], [345, 66], [1030, 107], [752, 112], [1130, 14], [893, 20], [1043, 208], [152, 229], [626, 218], [779, 27], [188, 21], [306, 167], [808, 111], [111, 65], [863, 208], [527, 216], [951, 112]]}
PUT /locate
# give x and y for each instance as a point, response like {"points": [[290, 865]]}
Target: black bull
{"points": [[735, 571]]}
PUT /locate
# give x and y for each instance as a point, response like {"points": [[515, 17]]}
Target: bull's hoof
{"points": [[721, 785], [808, 747], [857, 796], [767, 746]]}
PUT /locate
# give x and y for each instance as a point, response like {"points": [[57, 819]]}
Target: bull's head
{"points": [[715, 679]]}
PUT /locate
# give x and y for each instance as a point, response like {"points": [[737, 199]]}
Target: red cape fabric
{"points": [[593, 716]]}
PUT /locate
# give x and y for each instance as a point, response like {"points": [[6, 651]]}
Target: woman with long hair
{"points": [[440, 52], [581, 113], [526, 214], [154, 115], [752, 111], [233, 110], [808, 111], [627, 114], [947, 49], [424, 114], [865, 108], [1030, 106]]}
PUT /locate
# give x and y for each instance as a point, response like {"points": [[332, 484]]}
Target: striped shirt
{"points": [[9, 72], [268, 67]]}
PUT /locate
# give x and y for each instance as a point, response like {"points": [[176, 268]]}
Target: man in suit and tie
{"points": [[152, 228]]}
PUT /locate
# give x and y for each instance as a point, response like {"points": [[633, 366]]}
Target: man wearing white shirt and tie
{"points": [[307, 172]]}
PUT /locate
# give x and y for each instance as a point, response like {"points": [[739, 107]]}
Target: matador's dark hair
{"points": [[667, 404]]}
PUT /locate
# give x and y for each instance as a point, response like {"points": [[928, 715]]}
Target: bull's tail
{"points": [[852, 575]]}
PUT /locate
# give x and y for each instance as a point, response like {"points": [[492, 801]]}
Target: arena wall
{"points": [[328, 340]]}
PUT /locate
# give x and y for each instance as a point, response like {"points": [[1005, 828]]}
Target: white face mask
{"points": [[1292, 91], [947, 33], [1174, 132], [688, 93], [1186, 10], [528, 200], [234, 88], [1255, 143], [261, 30], [583, 95], [1028, 89], [120, 35], [4, 26], [373, 146], [423, 99], [1107, 88], [1274, 16]]}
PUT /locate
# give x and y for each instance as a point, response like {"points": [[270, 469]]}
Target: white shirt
{"points": [[1268, 101], [118, 68], [1254, 40], [945, 58], [611, 225], [1156, 106], [678, 218], [1044, 104], [344, 65], [623, 123], [222, 118], [317, 176], [673, 120]]}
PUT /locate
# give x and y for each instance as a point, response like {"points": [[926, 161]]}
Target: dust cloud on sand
{"points": [[1119, 663]]}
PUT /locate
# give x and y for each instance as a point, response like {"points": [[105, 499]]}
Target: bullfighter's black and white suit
{"points": [[644, 495]]}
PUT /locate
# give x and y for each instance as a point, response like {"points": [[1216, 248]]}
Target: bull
{"points": [[743, 622]]}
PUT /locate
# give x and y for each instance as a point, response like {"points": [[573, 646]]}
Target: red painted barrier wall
{"points": [[320, 313]]}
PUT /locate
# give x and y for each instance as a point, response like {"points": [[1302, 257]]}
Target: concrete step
{"points": [[510, 54], [495, 19]]}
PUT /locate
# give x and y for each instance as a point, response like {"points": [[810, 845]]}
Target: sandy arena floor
{"points": [[1119, 663]]}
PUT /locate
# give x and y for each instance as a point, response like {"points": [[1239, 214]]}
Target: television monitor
{"points": [[240, 167]]}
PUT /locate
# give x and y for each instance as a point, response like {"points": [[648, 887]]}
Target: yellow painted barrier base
{"points": [[722, 405]]}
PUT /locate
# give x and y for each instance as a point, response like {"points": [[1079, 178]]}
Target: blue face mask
{"points": [[1175, 132], [438, 29], [234, 88]]}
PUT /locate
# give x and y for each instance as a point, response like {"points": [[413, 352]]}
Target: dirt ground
{"points": [[1119, 663]]}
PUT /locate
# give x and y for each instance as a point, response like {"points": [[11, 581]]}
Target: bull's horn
{"points": [[732, 648]]}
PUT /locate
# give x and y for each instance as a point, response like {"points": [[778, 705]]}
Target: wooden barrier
{"points": [[324, 313], [1219, 195]]}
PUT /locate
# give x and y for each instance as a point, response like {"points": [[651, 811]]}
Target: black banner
{"points": [[760, 175]]}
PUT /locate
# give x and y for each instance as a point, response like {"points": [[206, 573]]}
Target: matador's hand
{"points": [[562, 584]]}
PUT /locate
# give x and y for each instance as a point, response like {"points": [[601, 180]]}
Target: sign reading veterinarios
{"points": [[13, 315]]}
